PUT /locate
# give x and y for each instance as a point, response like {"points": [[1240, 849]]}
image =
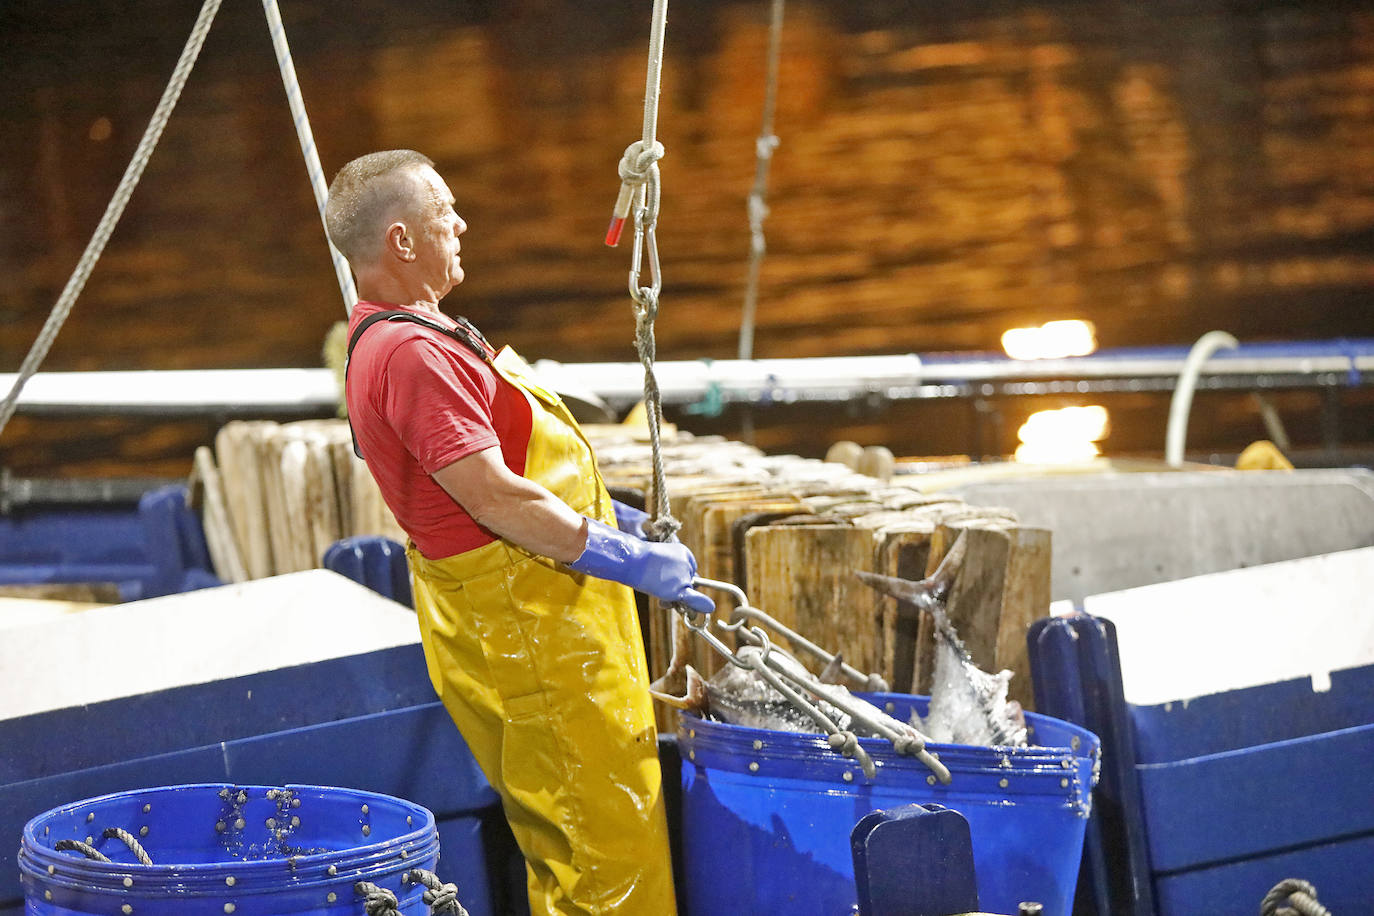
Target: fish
{"points": [[967, 704]]}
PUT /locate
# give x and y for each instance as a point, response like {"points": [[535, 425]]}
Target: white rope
{"points": [[639, 190], [643, 154], [113, 211], [307, 140], [758, 197]]}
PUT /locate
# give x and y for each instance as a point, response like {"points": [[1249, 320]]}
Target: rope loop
{"points": [[442, 898], [127, 839], [377, 901], [639, 157], [1299, 896], [90, 852]]}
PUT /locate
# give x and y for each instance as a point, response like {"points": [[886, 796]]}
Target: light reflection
{"points": [[1062, 436], [1052, 340]]}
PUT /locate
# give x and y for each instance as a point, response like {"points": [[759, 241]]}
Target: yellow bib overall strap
{"points": [[543, 671]]}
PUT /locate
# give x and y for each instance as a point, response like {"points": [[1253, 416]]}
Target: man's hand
{"points": [[662, 569], [629, 519]]}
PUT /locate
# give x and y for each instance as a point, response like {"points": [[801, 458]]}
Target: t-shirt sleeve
{"points": [[439, 404]]}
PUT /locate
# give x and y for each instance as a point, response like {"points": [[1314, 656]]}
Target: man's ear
{"points": [[398, 242]]}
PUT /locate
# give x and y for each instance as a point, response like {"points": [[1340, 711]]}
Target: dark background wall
{"points": [[946, 172]]}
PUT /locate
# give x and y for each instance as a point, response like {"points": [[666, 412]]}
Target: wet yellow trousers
{"points": [[543, 672]]}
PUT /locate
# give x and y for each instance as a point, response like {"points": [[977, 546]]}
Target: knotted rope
{"points": [[639, 190], [442, 898], [758, 197], [377, 901], [89, 852], [1299, 896], [307, 140], [113, 211], [127, 839]]}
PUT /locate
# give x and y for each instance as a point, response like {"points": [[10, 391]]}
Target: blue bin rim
{"points": [[46, 867], [1073, 753]]}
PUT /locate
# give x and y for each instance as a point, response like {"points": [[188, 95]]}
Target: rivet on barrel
{"points": [[758, 745], [230, 880], [848, 775], [753, 766], [1064, 783], [143, 831], [229, 908], [90, 817], [332, 897], [147, 808], [128, 882], [126, 909], [367, 831], [1003, 782], [364, 809]]}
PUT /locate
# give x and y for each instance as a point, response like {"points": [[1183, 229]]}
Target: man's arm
{"points": [[514, 508], [529, 516]]}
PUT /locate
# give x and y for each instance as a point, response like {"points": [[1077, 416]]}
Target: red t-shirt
{"points": [[419, 401]]}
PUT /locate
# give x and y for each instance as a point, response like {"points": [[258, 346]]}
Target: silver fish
{"points": [[967, 705]]}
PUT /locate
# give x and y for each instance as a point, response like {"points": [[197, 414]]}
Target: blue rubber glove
{"points": [[629, 519], [662, 569]]}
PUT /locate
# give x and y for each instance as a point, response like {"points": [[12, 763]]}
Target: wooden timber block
{"points": [[321, 497], [342, 457], [207, 491], [803, 576], [237, 448], [1025, 599], [739, 533], [297, 551]]}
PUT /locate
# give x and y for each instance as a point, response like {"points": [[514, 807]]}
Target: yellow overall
{"points": [[543, 671]]}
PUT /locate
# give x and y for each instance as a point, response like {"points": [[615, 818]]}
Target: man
{"points": [[530, 635]]}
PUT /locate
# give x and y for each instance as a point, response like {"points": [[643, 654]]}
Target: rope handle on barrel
{"points": [[96, 855], [441, 898], [1299, 896]]}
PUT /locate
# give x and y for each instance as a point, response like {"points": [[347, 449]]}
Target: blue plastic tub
{"points": [[217, 849], [767, 816]]}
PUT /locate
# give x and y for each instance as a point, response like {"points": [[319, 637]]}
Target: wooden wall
{"points": [[946, 172]]}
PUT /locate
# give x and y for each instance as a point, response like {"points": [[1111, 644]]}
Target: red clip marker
{"points": [[614, 229]]}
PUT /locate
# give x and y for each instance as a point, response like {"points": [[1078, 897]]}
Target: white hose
{"points": [[1182, 401]]}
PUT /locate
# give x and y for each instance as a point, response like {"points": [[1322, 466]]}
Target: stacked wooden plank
{"points": [[792, 532], [275, 496]]}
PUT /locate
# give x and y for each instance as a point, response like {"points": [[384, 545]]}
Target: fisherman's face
{"points": [[437, 230]]}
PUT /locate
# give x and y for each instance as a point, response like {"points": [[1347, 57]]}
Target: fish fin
{"points": [[926, 592], [833, 673], [694, 699]]}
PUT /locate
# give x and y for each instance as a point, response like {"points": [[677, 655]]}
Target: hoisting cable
{"points": [[307, 140], [639, 190], [764, 146], [113, 211]]}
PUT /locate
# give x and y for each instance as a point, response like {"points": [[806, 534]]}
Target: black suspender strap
{"points": [[466, 334]]}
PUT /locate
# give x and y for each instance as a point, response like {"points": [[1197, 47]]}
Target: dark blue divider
{"points": [[375, 561], [1204, 806]]}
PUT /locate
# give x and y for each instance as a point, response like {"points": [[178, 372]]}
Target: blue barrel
{"points": [[767, 815], [217, 849]]}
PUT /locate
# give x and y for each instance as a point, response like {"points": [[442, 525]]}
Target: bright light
{"points": [[1061, 436], [1052, 340]]}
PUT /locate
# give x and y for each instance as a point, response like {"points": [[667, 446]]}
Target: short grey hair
{"points": [[363, 195]]}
